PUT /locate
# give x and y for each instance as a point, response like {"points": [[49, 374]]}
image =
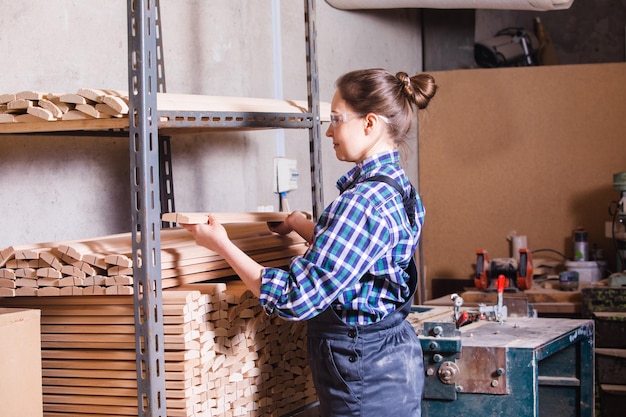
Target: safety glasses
{"points": [[337, 118]]}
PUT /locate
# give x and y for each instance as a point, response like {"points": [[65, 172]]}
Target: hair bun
{"points": [[419, 89]]}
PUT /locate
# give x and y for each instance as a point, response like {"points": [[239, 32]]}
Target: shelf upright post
{"points": [[315, 132], [145, 207], [166, 176]]}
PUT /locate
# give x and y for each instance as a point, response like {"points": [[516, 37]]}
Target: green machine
{"points": [[507, 365]]}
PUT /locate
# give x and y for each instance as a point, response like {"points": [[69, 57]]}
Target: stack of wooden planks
{"points": [[223, 355], [104, 265], [86, 103], [102, 109]]}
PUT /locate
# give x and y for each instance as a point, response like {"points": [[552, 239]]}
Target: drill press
{"points": [[618, 213]]}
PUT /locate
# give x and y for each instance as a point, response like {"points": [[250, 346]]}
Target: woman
{"points": [[354, 284]]}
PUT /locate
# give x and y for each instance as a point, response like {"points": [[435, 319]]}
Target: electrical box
{"points": [[285, 175]]}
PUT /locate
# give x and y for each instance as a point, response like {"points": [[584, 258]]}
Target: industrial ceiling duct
{"points": [[537, 5]]}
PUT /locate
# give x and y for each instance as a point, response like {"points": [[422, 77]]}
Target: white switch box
{"points": [[285, 175]]}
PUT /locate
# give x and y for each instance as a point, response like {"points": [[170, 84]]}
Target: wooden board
{"points": [[62, 111], [103, 265], [222, 354], [199, 218]]}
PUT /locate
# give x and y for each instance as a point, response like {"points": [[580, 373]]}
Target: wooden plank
{"points": [[106, 109], [53, 108], [19, 104], [7, 283], [86, 320], [7, 273], [74, 99], [87, 329], [48, 292], [7, 292], [71, 291], [7, 118], [92, 373], [90, 382], [7, 97], [76, 115], [82, 124], [30, 95], [66, 400], [26, 118], [198, 218], [85, 391], [41, 113], [56, 100], [117, 104], [92, 111], [89, 410], [92, 94]]}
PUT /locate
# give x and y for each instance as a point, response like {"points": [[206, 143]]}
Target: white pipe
{"points": [[538, 5], [277, 62]]}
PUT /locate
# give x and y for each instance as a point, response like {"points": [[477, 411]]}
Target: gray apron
{"points": [[373, 370]]}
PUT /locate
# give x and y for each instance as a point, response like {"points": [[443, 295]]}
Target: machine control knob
{"points": [[449, 373]]}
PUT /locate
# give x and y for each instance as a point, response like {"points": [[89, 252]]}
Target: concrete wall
{"points": [[62, 188]]}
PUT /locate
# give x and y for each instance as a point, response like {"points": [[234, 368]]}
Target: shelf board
{"points": [[179, 113]]}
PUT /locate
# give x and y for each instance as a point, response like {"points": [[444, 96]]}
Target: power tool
{"points": [[518, 275]]}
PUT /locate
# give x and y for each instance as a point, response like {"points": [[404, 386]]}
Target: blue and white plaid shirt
{"points": [[361, 245]]}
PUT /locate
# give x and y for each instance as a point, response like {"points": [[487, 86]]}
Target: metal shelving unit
{"points": [[146, 77]]}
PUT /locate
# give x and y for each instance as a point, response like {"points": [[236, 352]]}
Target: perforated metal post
{"points": [[315, 132], [145, 208]]}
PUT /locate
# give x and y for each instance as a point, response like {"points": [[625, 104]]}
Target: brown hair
{"points": [[393, 96]]}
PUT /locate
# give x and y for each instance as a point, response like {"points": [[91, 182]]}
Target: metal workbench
{"points": [[521, 367]]}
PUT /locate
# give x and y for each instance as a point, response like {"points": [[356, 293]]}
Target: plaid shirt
{"points": [[361, 244]]}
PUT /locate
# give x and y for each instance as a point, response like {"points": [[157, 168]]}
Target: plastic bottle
{"points": [[546, 54], [581, 245]]}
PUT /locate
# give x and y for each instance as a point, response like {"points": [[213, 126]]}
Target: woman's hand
{"points": [[295, 221], [211, 235], [282, 228]]}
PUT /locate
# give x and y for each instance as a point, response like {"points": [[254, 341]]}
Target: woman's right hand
{"points": [[295, 221], [282, 228]]}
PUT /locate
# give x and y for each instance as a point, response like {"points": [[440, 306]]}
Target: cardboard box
{"points": [[20, 363]]}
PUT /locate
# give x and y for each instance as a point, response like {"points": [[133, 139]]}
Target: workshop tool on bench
{"points": [[460, 317], [518, 275], [499, 311]]}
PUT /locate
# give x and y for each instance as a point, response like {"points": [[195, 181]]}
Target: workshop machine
{"points": [[518, 274], [617, 232], [494, 362]]}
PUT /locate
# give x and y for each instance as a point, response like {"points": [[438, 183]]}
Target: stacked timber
{"points": [[104, 265], [33, 107], [86, 103], [223, 355]]}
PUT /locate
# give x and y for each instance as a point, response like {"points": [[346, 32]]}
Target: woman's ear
{"points": [[370, 120]]}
